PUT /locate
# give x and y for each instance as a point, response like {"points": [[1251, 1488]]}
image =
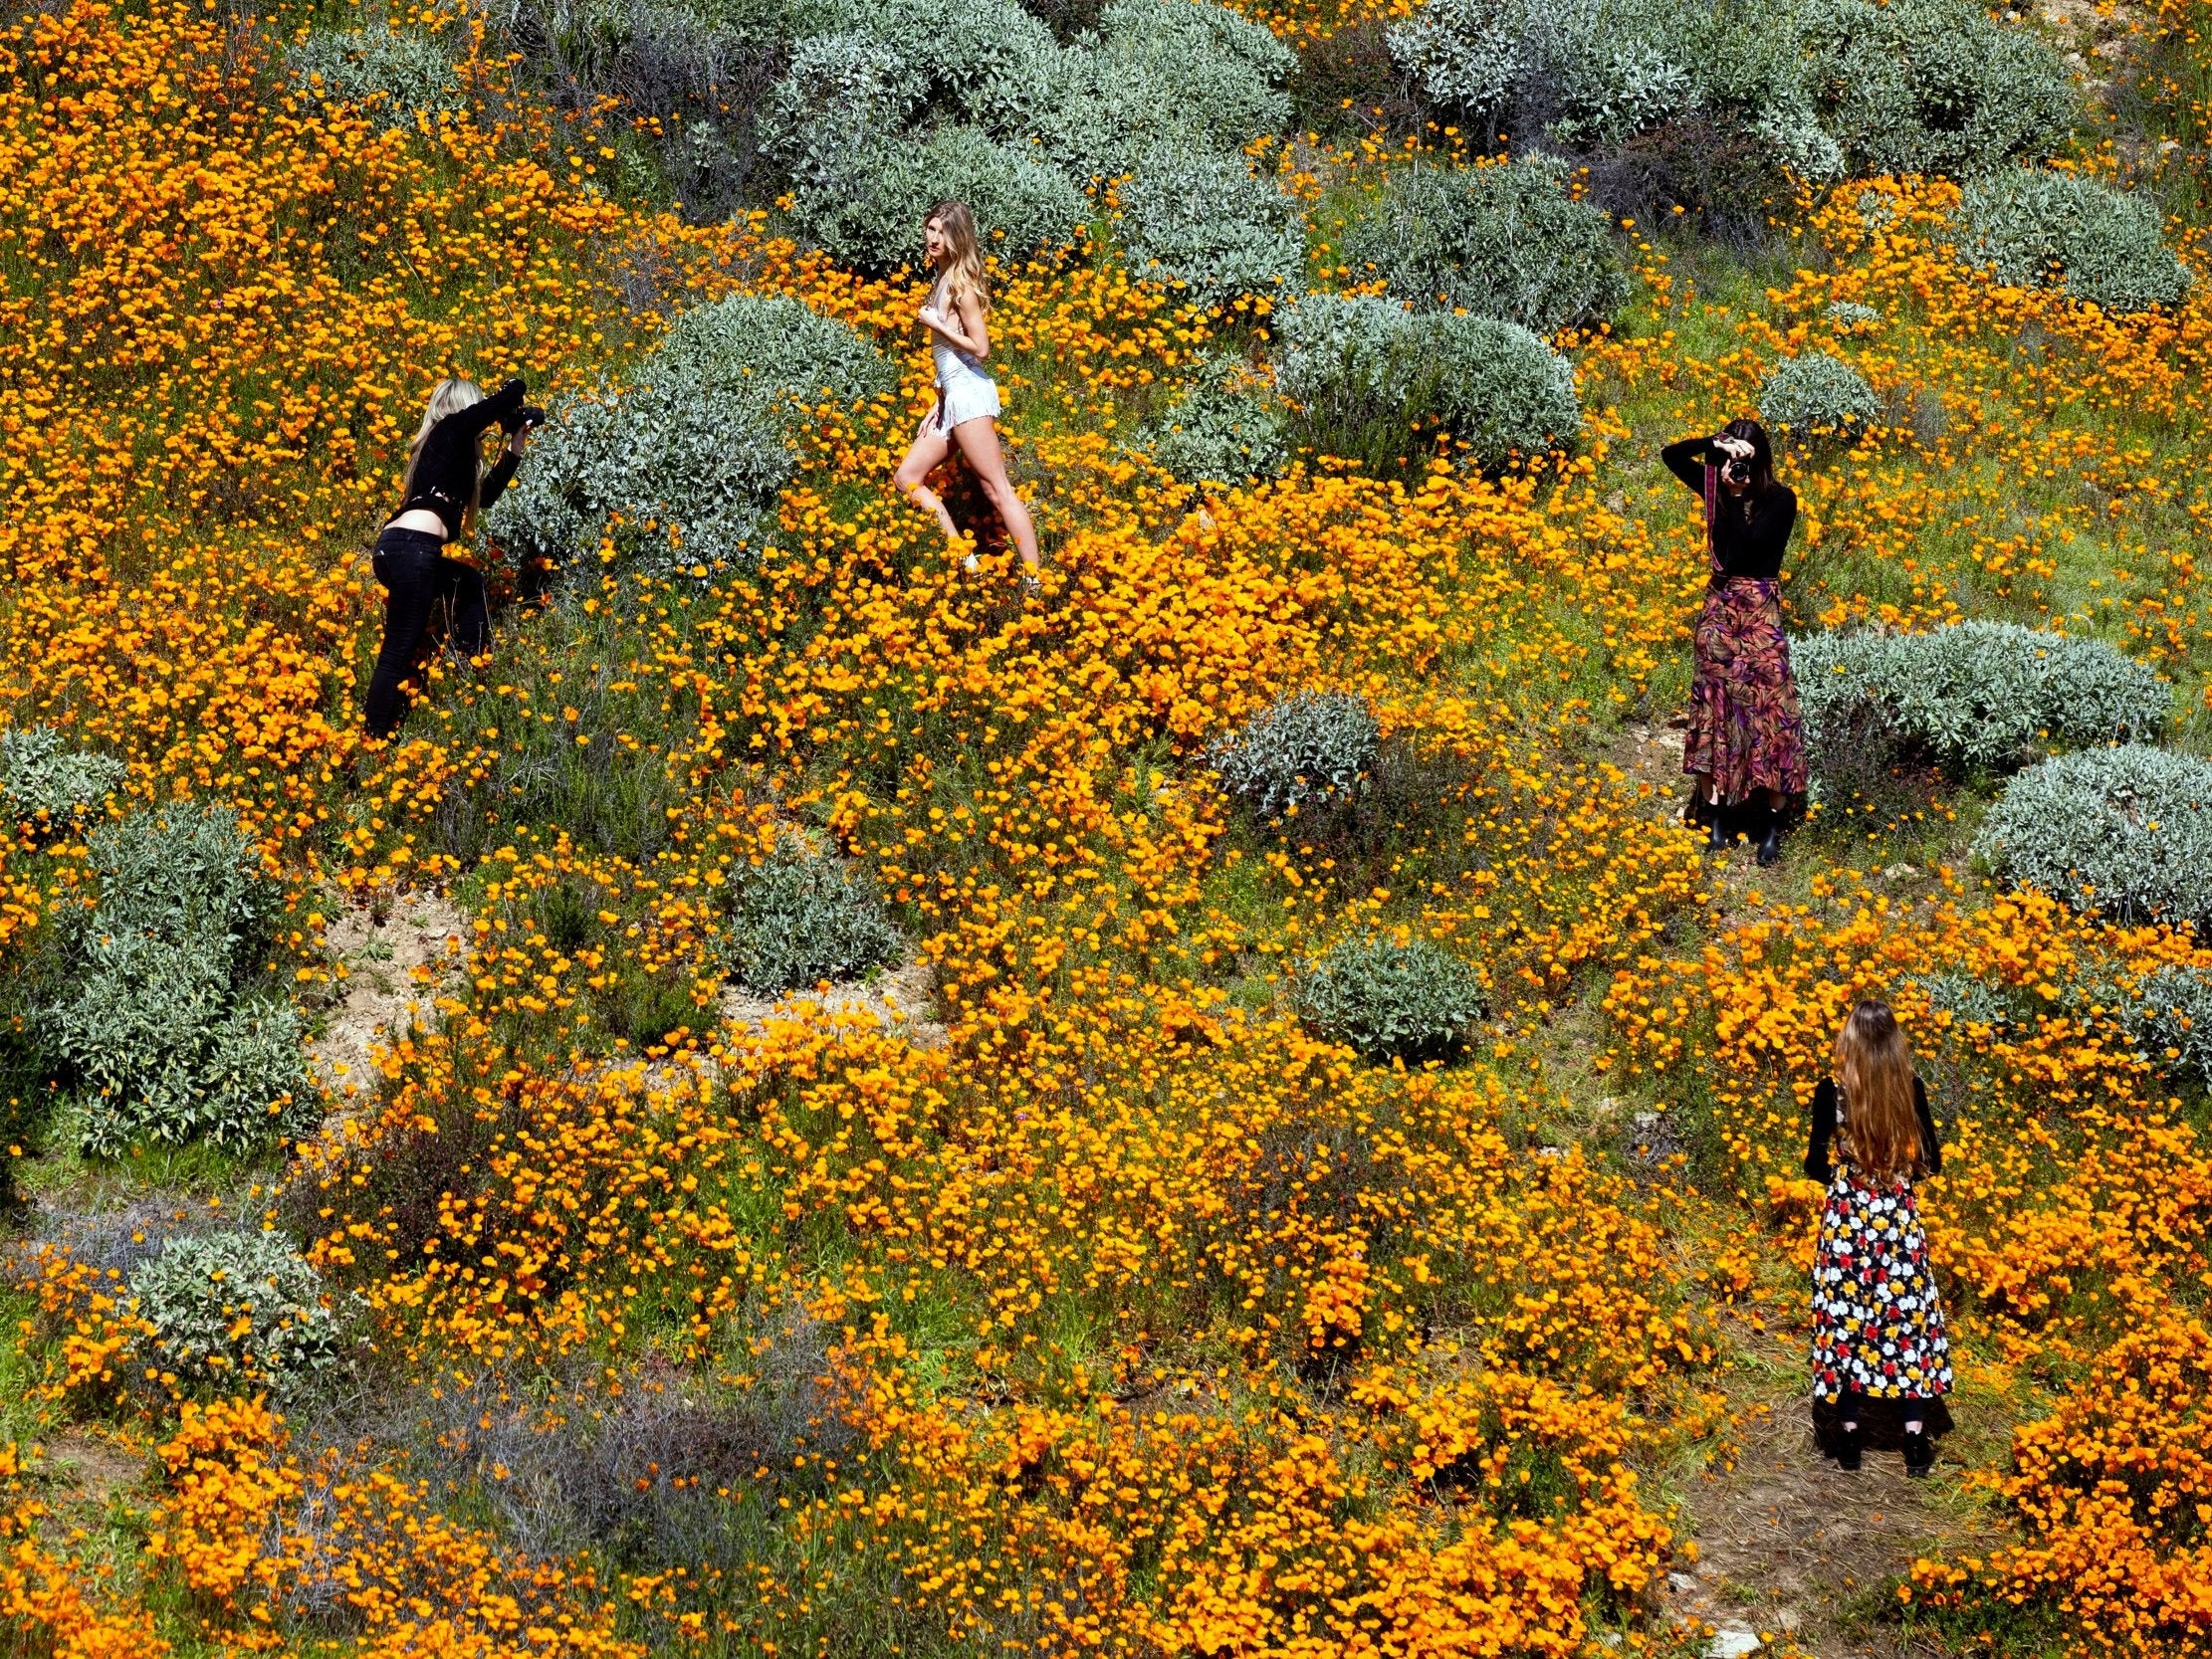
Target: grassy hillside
{"points": [[1048, 1273]]}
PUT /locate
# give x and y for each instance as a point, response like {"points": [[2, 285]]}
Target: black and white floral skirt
{"points": [[1878, 1341]]}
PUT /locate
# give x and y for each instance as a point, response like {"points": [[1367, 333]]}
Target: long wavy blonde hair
{"points": [[1873, 1069], [964, 272], [448, 397]]}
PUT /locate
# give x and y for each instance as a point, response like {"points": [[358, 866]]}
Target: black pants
{"points": [[419, 579]]}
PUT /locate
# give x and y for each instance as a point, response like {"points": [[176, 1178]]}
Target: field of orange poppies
{"points": [[1057, 1284]]}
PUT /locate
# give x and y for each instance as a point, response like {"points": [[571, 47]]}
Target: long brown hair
{"points": [[964, 272], [1873, 1071]]}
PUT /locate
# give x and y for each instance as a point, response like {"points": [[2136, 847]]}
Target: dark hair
{"points": [[1762, 452]]}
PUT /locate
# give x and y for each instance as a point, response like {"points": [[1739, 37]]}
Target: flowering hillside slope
{"points": [[1175, 1280]]}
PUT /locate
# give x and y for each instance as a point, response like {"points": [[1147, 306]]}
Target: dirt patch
{"points": [[1792, 1549], [392, 957], [88, 1471], [899, 997]]}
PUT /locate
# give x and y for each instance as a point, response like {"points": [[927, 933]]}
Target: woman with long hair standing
{"points": [[446, 485], [957, 316], [1746, 743], [1882, 1359]]}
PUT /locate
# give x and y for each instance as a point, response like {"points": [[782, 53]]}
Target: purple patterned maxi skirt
{"points": [[1744, 725]]}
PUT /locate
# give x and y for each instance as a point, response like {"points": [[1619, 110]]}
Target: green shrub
{"points": [[1499, 390], [1503, 241], [2169, 1018], [689, 76], [1186, 74], [1229, 427], [1932, 86], [45, 781], [236, 1312], [1817, 395], [155, 1006], [398, 75], [1202, 219], [1968, 1000], [1594, 77], [693, 456], [1977, 696], [1392, 1000], [1300, 754], [2125, 831], [1850, 318], [799, 919], [1367, 374], [2102, 246], [890, 105], [1827, 85], [864, 197]]}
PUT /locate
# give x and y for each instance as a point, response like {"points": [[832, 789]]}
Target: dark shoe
{"points": [[1719, 841], [1846, 1450], [1770, 844], [1919, 1454], [1699, 812]]}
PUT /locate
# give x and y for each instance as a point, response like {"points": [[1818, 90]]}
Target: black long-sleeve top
{"points": [[1817, 1164], [445, 470], [1750, 531]]}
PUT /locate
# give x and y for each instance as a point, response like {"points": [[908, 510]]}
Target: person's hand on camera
{"points": [[1734, 448]]}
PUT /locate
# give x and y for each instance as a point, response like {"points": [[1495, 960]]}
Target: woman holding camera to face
{"points": [[446, 485], [1746, 743]]}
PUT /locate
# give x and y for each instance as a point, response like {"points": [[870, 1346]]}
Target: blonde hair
{"points": [[1873, 1071], [448, 397], [964, 272]]}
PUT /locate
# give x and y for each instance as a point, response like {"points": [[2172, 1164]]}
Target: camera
{"points": [[1736, 470]]}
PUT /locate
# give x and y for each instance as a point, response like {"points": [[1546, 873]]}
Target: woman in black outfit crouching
{"points": [[446, 485]]}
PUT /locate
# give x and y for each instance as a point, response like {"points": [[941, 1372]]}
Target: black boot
{"points": [[1919, 1454], [1847, 1449], [1699, 812], [1770, 844], [1722, 837]]}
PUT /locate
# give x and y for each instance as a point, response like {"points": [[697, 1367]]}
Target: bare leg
{"points": [[979, 441], [1777, 800], [931, 446], [1704, 786]]}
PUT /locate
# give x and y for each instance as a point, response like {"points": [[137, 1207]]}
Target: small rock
{"points": [[1898, 872], [1732, 1644], [1681, 1583], [1551, 1152], [1646, 1120]]}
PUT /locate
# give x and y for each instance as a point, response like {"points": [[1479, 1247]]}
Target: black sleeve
{"points": [[1687, 461], [495, 480], [502, 406], [1931, 1151], [451, 446], [1817, 1166]]}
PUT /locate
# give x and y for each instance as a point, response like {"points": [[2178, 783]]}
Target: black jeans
{"points": [[419, 579]]}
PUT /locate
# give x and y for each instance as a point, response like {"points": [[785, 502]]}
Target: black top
{"points": [[1824, 1130], [1750, 531], [445, 470]]}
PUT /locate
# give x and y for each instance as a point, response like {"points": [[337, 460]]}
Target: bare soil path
{"points": [[1791, 1554]]}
